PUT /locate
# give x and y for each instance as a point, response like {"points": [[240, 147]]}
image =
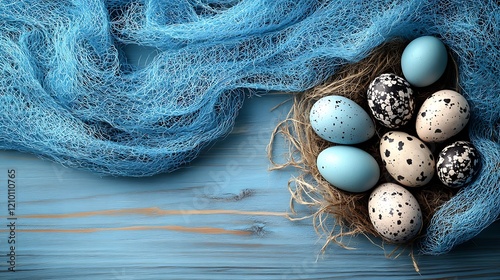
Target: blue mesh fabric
{"points": [[69, 91]]}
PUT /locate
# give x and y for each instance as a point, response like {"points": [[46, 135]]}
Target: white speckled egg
{"points": [[444, 114], [407, 159], [457, 164], [348, 168], [340, 120], [390, 99], [395, 213]]}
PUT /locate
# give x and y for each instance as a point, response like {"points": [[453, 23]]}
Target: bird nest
{"points": [[350, 210]]}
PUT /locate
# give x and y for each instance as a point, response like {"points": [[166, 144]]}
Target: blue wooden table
{"points": [[222, 217]]}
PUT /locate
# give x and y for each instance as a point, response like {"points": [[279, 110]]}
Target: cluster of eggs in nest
{"points": [[393, 210]]}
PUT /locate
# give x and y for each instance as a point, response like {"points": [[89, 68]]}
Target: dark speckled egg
{"points": [[390, 99], [457, 164]]}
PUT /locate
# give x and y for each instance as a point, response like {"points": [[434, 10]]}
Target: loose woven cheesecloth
{"points": [[69, 91]]}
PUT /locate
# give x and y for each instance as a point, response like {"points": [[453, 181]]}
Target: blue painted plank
{"points": [[221, 217]]}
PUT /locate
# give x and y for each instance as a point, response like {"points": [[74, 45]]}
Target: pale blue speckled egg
{"points": [[340, 120], [424, 61], [348, 168]]}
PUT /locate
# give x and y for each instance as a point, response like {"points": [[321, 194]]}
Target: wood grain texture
{"points": [[222, 217]]}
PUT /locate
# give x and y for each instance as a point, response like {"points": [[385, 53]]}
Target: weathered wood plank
{"points": [[223, 217]]}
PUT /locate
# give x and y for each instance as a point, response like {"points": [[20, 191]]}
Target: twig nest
{"points": [[406, 162]]}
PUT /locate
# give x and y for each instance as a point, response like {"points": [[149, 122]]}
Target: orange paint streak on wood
{"points": [[203, 230], [151, 211]]}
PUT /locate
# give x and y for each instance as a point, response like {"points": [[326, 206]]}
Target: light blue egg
{"points": [[348, 168], [340, 120], [424, 61]]}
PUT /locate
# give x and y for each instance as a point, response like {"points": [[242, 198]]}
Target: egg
{"points": [[407, 159], [424, 61], [395, 213], [348, 168], [457, 164], [390, 99], [444, 114], [340, 120]]}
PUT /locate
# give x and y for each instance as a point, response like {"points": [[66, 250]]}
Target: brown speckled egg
{"points": [[406, 158], [390, 99], [444, 114], [395, 213], [457, 164]]}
